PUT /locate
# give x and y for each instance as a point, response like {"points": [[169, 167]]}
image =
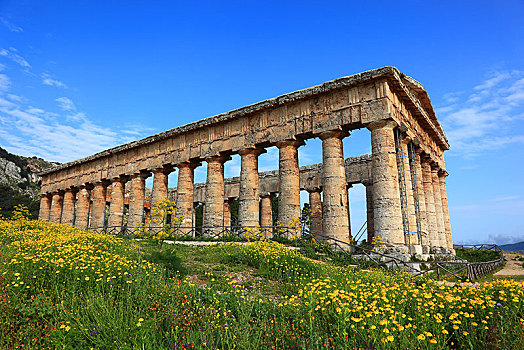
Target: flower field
{"points": [[61, 287]]}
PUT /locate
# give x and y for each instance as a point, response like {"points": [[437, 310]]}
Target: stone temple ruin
{"points": [[407, 205]]}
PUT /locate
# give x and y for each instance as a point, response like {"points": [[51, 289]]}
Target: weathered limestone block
{"points": [[227, 213], [45, 207], [266, 214], [99, 205], [213, 219], [289, 182], [184, 202], [412, 216], [335, 209], [445, 209], [441, 229], [136, 199], [430, 203], [315, 217], [82, 207], [369, 211], [424, 235], [386, 195], [68, 207], [116, 206], [160, 185], [56, 207], [248, 199]]}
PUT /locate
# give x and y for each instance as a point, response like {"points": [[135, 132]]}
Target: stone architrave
{"points": [[445, 209], [289, 182], [369, 212], [410, 199], [82, 207], [386, 194], [68, 207], [56, 207], [248, 199], [184, 202], [430, 203], [213, 219], [99, 194], [315, 217], [441, 229], [116, 206], [136, 199], [45, 207], [424, 234]]}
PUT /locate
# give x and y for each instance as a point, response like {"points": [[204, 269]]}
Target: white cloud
{"points": [[13, 56], [49, 81], [66, 104], [12, 27], [5, 82], [486, 118]]}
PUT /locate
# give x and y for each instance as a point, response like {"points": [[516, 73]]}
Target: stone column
{"points": [[227, 213], [56, 207], [410, 200], [45, 207], [248, 200], [116, 206], [136, 199], [184, 200], [386, 195], [289, 182], [266, 214], [82, 207], [214, 195], [99, 205], [441, 229], [369, 212], [445, 209], [68, 207], [424, 235], [160, 185], [430, 203], [315, 218]]}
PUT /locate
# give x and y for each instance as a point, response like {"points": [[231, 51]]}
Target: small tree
{"points": [[163, 216]]}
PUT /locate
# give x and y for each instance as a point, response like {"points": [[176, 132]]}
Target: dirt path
{"points": [[513, 266]]}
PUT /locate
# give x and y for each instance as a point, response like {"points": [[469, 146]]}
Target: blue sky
{"points": [[80, 76]]}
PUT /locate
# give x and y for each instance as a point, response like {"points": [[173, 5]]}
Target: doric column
{"points": [[45, 207], [136, 199], [68, 207], [82, 207], [266, 214], [424, 234], [369, 211], [289, 182], [98, 208], [430, 203], [445, 209], [315, 217], [184, 202], [441, 229], [386, 195], [227, 213], [410, 210], [116, 206], [248, 201], [214, 194], [160, 185], [56, 207]]}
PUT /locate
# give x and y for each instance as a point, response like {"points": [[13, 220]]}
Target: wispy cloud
{"points": [[5, 82], [66, 104], [12, 27], [49, 81], [12, 55], [484, 119]]}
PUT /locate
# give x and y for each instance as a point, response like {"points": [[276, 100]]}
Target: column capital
{"points": [[339, 134], [103, 182], [284, 143], [189, 164], [59, 192], [442, 173], [87, 185], [367, 182], [72, 189], [252, 150], [314, 189], [219, 158], [143, 174], [265, 194], [385, 123], [48, 195], [435, 167], [164, 169], [121, 178]]}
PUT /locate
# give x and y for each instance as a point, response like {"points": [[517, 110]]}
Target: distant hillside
{"points": [[515, 247], [19, 182]]}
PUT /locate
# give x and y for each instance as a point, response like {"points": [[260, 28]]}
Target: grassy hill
{"points": [[514, 247]]}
